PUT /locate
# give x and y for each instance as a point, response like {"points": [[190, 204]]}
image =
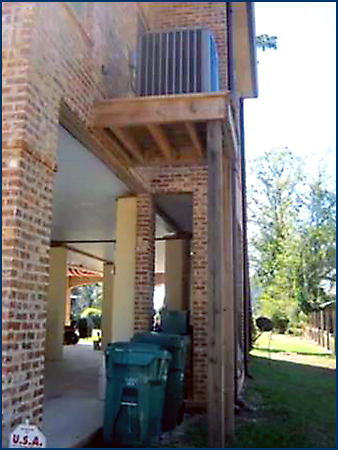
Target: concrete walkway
{"points": [[72, 410]]}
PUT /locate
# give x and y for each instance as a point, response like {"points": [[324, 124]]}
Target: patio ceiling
{"points": [[85, 193]]}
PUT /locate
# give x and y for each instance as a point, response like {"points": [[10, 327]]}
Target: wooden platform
{"points": [[161, 129]]}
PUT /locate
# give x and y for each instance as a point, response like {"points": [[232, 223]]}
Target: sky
{"points": [[296, 106]]}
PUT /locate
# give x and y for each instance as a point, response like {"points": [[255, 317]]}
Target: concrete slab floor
{"points": [[73, 411]]}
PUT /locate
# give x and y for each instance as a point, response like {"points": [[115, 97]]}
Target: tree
{"points": [[274, 213], [317, 274], [86, 296], [292, 218], [265, 42]]}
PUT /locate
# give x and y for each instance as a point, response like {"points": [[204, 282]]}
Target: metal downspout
{"points": [[246, 279]]}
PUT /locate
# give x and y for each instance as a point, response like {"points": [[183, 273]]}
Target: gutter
{"points": [[246, 279], [250, 6]]}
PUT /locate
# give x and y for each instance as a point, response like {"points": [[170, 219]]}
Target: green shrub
{"points": [[280, 321]]}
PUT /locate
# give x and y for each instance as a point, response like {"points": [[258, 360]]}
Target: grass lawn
{"points": [[293, 349], [295, 402], [292, 399], [292, 396]]}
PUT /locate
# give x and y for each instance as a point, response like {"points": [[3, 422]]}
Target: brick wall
{"points": [[50, 55], [211, 15], [194, 180], [144, 262]]}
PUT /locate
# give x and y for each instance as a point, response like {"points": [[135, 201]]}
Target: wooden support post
{"points": [[327, 329], [322, 333], [317, 327], [311, 325], [220, 312], [228, 297]]}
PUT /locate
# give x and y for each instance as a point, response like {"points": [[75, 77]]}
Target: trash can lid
{"points": [[137, 346], [134, 353], [164, 340]]}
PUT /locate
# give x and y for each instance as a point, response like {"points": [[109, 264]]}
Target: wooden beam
{"points": [[80, 252], [228, 295], [221, 309], [75, 281], [128, 141], [194, 139], [161, 140], [197, 107], [231, 134], [216, 410], [183, 236], [81, 241]]}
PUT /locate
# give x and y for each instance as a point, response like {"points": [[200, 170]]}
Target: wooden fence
{"points": [[321, 326]]}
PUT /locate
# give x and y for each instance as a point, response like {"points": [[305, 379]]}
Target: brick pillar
{"points": [[26, 222], [145, 262], [30, 110], [192, 181], [200, 294]]}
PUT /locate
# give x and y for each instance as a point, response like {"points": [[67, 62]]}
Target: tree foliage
{"points": [[292, 243], [317, 274], [86, 297], [266, 42]]}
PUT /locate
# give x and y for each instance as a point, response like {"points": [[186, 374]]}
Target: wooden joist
{"points": [[111, 146], [161, 109], [130, 144], [163, 129], [161, 140], [194, 139]]}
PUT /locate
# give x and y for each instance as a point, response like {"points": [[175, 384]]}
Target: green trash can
{"points": [[136, 380], [177, 345], [175, 322]]}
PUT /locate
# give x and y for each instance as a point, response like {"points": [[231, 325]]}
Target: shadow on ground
{"points": [[274, 350]]}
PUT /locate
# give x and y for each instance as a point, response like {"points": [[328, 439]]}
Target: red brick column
{"points": [[193, 180], [144, 262], [49, 54], [27, 212], [200, 290], [28, 164]]}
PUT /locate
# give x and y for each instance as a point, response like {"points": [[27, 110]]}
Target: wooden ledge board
{"points": [[163, 109]]}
